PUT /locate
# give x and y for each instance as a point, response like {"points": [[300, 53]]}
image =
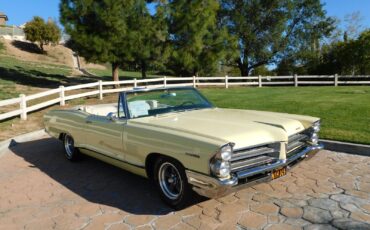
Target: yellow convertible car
{"points": [[177, 138]]}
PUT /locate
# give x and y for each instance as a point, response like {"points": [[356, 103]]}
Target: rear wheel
{"points": [[171, 182], [71, 152]]}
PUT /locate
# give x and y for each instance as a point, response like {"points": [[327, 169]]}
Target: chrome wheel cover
{"points": [[69, 145], [170, 181]]}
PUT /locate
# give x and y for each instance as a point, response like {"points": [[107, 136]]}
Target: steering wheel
{"points": [[187, 103]]}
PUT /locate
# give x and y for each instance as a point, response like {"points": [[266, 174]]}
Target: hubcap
{"points": [[69, 145], [170, 180]]}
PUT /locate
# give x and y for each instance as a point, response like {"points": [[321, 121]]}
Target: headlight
{"points": [[221, 168], [225, 153], [315, 130], [220, 165], [316, 127], [315, 139]]}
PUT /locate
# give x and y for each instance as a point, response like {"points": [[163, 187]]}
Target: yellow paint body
{"points": [[191, 137]]}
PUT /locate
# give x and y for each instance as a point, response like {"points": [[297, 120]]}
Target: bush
{"points": [[42, 32]]}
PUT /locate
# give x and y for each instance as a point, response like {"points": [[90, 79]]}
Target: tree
{"points": [[353, 24], [272, 30], [151, 34], [99, 30], [43, 33], [198, 43], [348, 57]]}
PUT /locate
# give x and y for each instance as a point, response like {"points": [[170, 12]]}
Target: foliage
{"points": [[44, 33], [261, 70], [99, 30], [351, 57], [150, 35], [270, 30], [198, 43]]}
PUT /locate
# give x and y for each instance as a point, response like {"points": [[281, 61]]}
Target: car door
{"points": [[104, 135]]}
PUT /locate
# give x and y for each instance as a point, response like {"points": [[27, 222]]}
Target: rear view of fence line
{"points": [[104, 87]]}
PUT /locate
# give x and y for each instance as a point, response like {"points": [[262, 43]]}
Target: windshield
{"points": [[151, 103]]}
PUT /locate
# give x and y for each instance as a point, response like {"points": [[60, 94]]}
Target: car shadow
{"points": [[94, 180]]}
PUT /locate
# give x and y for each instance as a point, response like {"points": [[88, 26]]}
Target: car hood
{"points": [[242, 127]]}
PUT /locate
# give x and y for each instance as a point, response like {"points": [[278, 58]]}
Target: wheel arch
{"points": [[150, 160]]}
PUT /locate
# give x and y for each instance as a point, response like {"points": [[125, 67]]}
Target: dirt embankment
{"points": [[26, 51], [58, 54]]}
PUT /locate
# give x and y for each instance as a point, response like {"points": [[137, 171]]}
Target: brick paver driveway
{"points": [[39, 189]]}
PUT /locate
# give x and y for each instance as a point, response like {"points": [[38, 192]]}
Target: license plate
{"points": [[278, 173]]}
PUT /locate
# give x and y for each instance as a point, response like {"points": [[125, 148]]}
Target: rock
{"points": [[343, 198], [326, 204], [253, 220], [265, 208], [282, 227], [340, 213], [350, 224], [292, 212], [316, 215], [319, 227]]}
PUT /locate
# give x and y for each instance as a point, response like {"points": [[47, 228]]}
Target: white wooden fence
{"points": [[100, 88]]}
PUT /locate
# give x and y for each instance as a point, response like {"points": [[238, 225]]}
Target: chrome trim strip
{"points": [[260, 169], [213, 187]]}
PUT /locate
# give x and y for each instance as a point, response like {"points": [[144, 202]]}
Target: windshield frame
{"points": [[123, 100]]}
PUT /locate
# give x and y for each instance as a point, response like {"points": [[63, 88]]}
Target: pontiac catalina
{"points": [[177, 138]]}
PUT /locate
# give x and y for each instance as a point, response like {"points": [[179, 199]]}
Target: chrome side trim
{"points": [[260, 169]]}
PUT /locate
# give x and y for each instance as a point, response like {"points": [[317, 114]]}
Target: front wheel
{"points": [[171, 182], [70, 151]]}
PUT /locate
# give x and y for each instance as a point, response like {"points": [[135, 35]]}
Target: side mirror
{"points": [[112, 116]]}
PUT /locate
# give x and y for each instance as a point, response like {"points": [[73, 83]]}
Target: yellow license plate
{"points": [[278, 173]]}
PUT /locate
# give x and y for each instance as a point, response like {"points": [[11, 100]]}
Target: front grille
{"points": [[297, 142], [253, 157]]}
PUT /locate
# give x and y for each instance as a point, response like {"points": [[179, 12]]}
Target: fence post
{"points": [[100, 90], [336, 80], [259, 81], [135, 83], [226, 81], [62, 96], [165, 81], [295, 80], [23, 107], [194, 84]]}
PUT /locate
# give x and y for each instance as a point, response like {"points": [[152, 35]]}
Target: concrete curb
{"points": [[346, 147], [4, 145]]}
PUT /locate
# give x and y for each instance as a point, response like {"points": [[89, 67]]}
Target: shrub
{"points": [[44, 33]]}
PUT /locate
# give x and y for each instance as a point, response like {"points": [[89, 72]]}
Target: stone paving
{"points": [[39, 189]]}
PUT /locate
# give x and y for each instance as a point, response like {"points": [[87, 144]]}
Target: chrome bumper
{"points": [[213, 187]]}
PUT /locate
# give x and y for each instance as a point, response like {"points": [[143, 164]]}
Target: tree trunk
{"points": [[115, 68], [42, 47], [243, 67], [143, 69]]}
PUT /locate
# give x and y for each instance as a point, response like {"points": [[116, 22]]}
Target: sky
{"points": [[21, 11]]}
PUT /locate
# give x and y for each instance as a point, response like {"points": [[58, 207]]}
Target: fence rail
{"points": [[100, 88]]}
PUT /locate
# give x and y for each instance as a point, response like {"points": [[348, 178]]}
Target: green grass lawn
{"points": [[29, 74], [7, 89], [344, 111]]}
